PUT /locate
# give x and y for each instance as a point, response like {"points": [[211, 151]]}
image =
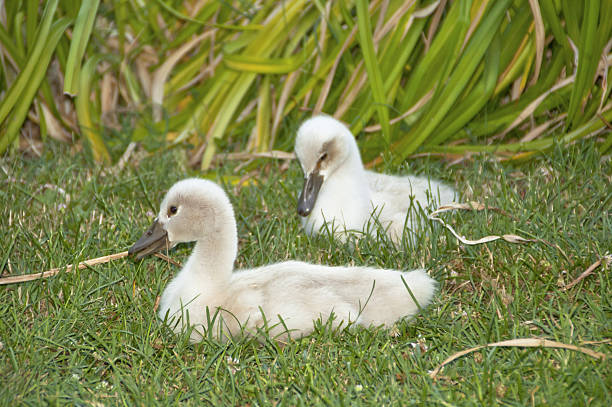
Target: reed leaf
{"points": [[409, 76], [448, 94], [30, 87], [256, 64], [86, 113], [587, 60], [80, 37], [371, 63], [33, 63]]}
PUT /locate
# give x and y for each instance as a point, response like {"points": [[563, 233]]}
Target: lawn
{"points": [[91, 337]]}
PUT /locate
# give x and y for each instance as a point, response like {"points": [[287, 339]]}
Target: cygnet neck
{"points": [[351, 169], [214, 253]]}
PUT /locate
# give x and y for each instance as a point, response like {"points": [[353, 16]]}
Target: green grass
{"points": [[91, 337]]}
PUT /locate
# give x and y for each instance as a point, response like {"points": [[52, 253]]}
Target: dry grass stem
{"points": [[607, 340], [540, 35], [125, 157], [528, 111], [168, 259], [588, 271], [418, 105], [84, 264], [276, 154], [475, 206], [68, 268], [519, 343]]}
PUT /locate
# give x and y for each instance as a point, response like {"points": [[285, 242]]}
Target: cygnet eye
{"points": [[323, 156], [172, 210]]}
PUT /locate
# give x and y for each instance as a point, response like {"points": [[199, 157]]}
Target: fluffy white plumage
{"points": [[292, 295], [340, 192]]}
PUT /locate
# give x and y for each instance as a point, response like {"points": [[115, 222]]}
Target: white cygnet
{"points": [[340, 194], [283, 299]]}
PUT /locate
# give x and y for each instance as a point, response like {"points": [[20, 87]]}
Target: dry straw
{"points": [[475, 206], [70, 267], [520, 343]]}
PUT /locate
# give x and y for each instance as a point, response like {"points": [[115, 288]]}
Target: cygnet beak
{"points": [[153, 240], [308, 196]]}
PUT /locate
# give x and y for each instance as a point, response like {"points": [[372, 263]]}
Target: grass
{"points": [[91, 337]]}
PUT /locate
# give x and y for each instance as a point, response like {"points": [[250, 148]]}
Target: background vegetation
{"points": [[444, 77]]}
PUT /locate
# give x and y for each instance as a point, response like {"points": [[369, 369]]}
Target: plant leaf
{"points": [[369, 56], [80, 37]]}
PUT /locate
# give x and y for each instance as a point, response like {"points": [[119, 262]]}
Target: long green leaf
{"points": [[31, 87], [584, 130], [587, 60], [121, 16], [264, 45], [257, 64], [448, 95], [552, 18], [573, 11], [33, 63], [18, 34], [430, 65], [371, 63], [475, 99], [393, 64], [80, 37], [31, 21], [262, 124], [84, 109]]}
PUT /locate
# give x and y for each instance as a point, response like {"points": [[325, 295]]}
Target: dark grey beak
{"points": [[309, 193], [153, 240]]}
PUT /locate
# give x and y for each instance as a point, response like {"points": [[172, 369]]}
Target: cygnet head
{"points": [[193, 210], [323, 146]]}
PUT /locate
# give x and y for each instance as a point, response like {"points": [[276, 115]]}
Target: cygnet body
{"points": [[284, 298], [339, 192]]}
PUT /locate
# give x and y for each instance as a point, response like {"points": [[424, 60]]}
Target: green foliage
{"points": [[82, 31], [416, 76]]}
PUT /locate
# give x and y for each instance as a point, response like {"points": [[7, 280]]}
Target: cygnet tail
{"points": [[421, 285]]}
